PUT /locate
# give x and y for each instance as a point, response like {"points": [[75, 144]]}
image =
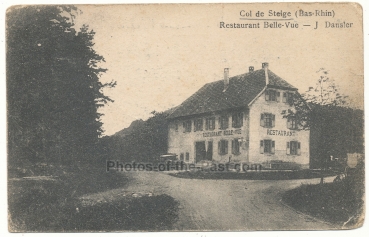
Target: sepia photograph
{"points": [[185, 117]]}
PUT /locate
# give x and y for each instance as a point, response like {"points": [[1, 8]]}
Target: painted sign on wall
{"points": [[222, 133], [280, 132]]}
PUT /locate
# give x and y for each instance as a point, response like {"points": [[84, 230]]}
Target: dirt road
{"points": [[225, 204]]}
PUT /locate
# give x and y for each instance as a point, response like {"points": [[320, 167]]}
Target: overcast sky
{"points": [[161, 54]]}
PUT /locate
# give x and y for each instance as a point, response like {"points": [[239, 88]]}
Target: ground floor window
{"points": [[223, 147], [235, 146], [187, 156], [293, 148], [267, 146]]}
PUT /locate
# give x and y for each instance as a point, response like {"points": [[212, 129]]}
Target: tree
{"points": [[335, 129], [325, 92], [53, 87]]}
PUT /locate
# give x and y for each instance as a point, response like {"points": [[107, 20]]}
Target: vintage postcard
{"points": [[185, 117]]}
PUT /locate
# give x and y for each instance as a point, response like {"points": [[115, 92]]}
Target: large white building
{"points": [[240, 119]]}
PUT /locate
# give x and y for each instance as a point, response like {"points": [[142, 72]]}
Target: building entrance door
{"points": [[200, 151]]}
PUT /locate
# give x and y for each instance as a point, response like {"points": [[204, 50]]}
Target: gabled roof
{"points": [[242, 89]]}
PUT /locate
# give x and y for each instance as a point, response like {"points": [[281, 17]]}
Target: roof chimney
{"points": [[265, 66], [251, 68], [226, 78]]}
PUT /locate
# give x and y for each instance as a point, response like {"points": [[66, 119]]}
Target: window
{"points": [[223, 147], [187, 156], [292, 123], [237, 120], [267, 147], [293, 148], [187, 126], [223, 122], [272, 95], [198, 124], [288, 97], [181, 157], [176, 127], [210, 123], [267, 120], [235, 146]]}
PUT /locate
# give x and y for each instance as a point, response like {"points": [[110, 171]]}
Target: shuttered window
{"points": [[292, 123], [223, 147], [187, 156], [267, 146], [237, 120], [210, 123], [235, 146], [288, 98], [187, 126], [198, 124], [272, 95], [267, 120], [223, 122], [293, 148]]}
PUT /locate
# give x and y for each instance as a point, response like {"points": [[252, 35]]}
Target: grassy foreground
{"points": [[53, 205], [270, 175], [339, 202]]}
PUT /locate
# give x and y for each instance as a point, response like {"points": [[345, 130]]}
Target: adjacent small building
{"points": [[240, 119]]}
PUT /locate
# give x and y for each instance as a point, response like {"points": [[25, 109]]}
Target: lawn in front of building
{"points": [[254, 175]]}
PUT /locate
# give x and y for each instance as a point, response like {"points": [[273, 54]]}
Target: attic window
{"points": [[287, 98], [272, 95]]}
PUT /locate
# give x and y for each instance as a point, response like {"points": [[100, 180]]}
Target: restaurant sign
{"points": [[280, 132], [222, 133]]}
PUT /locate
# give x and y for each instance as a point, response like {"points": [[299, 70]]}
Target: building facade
{"points": [[240, 119]]}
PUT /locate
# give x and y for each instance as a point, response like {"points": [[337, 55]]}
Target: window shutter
{"points": [[273, 147], [289, 122], [288, 148], [194, 125], [225, 147], [273, 120], [220, 122], [278, 96], [233, 147], [219, 150], [298, 148], [284, 100], [184, 127], [233, 120], [267, 95], [261, 147], [262, 122]]}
